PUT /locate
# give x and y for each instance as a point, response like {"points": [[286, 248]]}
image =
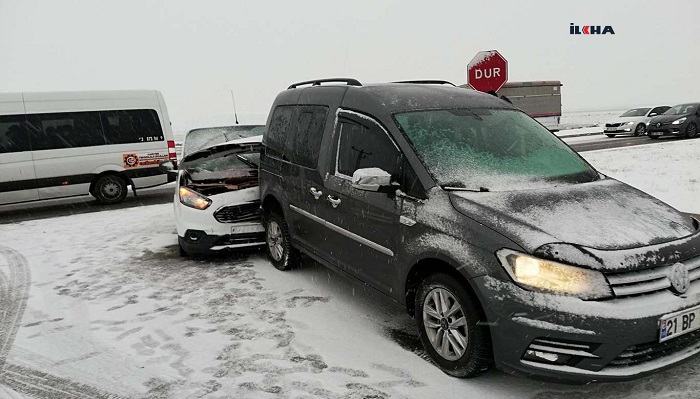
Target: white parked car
{"points": [[217, 200], [633, 121]]}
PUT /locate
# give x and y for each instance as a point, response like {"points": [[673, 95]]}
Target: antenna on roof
{"points": [[235, 114]]}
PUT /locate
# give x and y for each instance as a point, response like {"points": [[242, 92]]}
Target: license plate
{"points": [[677, 324], [610, 129], [250, 228], [655, 134]]}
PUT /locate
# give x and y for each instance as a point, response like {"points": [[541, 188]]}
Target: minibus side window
{"points": [[131, 126], [65, 130], [13, 135]]}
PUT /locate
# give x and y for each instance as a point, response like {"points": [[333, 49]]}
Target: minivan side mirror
{"points": [[373, 179], [168, 167]]}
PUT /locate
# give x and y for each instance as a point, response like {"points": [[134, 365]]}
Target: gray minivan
{"points": [[502, 242]]}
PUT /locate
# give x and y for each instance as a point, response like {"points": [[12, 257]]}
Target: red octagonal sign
{"points": [[488, 71]]}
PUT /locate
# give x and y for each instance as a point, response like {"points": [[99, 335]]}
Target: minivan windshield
{"points": [[681, 109], [198, 139], [491, 150], [635, 112]]}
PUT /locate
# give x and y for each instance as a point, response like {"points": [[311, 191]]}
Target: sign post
{"points": [[487, 71]]}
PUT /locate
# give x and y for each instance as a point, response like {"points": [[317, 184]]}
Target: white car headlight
{"points": [[678, 121], [548, 276], [193, 199], [628, 123]]}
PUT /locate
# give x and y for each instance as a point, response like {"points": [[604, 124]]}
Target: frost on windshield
{"points": [[494, 149], [199, 139]]}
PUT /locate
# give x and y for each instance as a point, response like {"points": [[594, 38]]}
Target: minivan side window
{"points": [[65, 130], [306, 143], [361, 147], [13, 135], [131, 126], [278, 130], [295, 133]]}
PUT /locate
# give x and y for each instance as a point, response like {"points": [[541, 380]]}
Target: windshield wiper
{"points": [[456, 186]]}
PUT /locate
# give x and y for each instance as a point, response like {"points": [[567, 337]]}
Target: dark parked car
{"points": [[681, 121], [502, 242]]}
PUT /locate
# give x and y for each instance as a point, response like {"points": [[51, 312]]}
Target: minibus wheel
{"points": [[110, 189]]}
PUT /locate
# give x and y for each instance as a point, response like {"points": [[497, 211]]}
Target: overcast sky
{"points": [[196, 51]]}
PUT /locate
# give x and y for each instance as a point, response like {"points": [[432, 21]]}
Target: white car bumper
{"points": [[231, 221]]}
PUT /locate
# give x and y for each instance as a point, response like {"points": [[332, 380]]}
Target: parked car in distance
{"points": [[63, 144], [197, 139], [633, 121], [217, 205], [502, 242], [681, 120]]}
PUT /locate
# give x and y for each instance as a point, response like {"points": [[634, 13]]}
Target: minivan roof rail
{"points": [[317, 82], [427, 82]]}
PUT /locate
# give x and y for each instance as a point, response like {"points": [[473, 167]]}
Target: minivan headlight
{"points": [[537, 274], [678, 121], [193, 199]]}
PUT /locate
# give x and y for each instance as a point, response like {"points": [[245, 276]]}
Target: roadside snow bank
{"points": [[669, 171]]}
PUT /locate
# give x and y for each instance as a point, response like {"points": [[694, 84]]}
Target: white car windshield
{"points": [[635, 112]]}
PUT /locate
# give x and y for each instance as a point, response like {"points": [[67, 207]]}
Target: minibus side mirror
{"points": [[168, 167]]}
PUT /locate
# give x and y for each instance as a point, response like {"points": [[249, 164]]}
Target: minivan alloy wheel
{"points": [[275, 240], [445, 324]]}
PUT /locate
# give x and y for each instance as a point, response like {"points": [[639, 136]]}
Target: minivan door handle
{"points": [[316, 193], [334, 201]]}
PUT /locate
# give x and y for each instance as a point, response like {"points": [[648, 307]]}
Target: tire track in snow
{"points": [[42, 385], [14, 298], [14, 293]]}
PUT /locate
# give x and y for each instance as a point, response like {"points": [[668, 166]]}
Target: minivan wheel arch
{"points": [[425, 267], [269, 204]]}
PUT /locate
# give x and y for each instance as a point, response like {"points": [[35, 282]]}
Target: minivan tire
{"points": [[477, 356], [278, 244], [110, 189]]}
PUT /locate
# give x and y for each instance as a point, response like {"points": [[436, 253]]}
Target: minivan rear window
{"points": [[493, 149]]}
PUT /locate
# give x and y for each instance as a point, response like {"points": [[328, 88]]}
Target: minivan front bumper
{"points": [[608, 340]]}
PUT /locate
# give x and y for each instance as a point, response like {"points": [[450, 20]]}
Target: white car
{"points": [[217, 199], [633, 121]]}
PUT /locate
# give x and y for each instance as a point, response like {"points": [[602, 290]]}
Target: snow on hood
{"points": [[604, 214]]}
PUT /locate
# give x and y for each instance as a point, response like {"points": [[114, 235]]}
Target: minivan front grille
{"points": [[248, 212], [641, 353], [650, 280]]}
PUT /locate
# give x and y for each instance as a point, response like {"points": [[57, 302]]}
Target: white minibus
{"points": [[61, 144]]}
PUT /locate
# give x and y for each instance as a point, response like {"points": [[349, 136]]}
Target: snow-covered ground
{"points": [[583, 119], [669, 170], [100, 305], [113, 311]]}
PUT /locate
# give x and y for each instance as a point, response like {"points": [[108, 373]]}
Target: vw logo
{"points": [[679, 278]]}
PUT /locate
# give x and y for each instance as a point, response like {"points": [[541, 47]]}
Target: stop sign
{"points": [[487, 71]]}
